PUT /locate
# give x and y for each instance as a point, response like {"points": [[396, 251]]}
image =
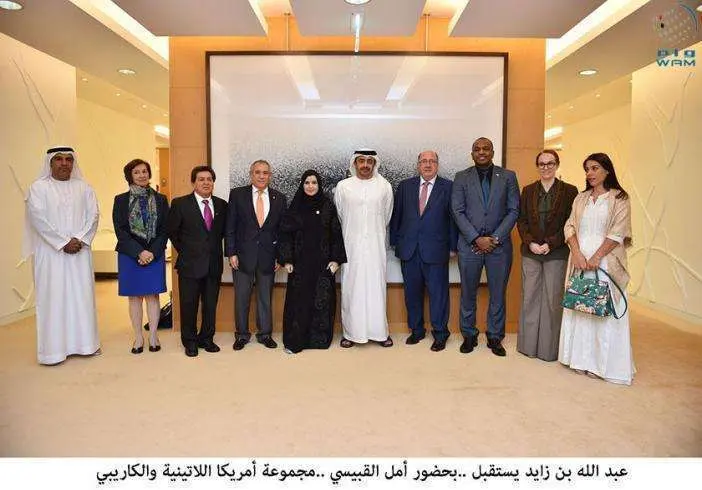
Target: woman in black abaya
{"points": [[311, 249]]}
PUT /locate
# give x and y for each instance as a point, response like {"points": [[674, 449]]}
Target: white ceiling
{"points": [[64, 31]]}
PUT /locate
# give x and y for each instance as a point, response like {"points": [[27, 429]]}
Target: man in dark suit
{"points": [[424, 235], [485, 205], [196, 228], [251, 243]]}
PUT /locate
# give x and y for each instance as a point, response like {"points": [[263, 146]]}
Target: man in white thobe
{"points": [[364, 203], [62, 219]]}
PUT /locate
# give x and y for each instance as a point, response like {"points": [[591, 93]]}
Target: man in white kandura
{"points": [[364, 204], [62, 219]]}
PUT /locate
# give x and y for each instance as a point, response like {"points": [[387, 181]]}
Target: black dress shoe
{"points": [[438, 345], [413, 339], [191, 351], [137, 350], [496, 348], [209, 346], [239, 344], [154, 348], [268, 342], [469, 344]]}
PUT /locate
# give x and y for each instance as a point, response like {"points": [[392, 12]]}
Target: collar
{"points": [[254, 191], [199, 198]]}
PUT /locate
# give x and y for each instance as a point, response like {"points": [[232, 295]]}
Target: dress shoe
{"points": [[209, 346], [137, 350], [191, 351], [469, 344], [154, 348], [239, 344], [413, 339], [438, 345], [496, 347], [268, 342]]}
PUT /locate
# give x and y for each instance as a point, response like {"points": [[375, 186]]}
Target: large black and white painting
{"points": [[302, 111]]}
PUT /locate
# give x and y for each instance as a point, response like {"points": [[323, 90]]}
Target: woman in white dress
{"points": [[598, 233]]}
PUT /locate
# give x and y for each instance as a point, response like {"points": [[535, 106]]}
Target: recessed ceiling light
{"points": [[548, 116], [571, 107], [126, 71], [588, 72], [83, 79], [597, 96], [117, 94], [143, 106], [165, 114], [7, 5], [357, 2]]}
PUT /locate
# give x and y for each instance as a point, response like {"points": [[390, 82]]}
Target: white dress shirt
{"points": [[266, 201]]}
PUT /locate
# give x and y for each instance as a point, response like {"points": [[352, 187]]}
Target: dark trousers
{"points": [[418, 275], [243, 286], [191, 292], [497, 266]]}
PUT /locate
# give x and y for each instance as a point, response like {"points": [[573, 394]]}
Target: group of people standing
{"points": [[427, 221]]}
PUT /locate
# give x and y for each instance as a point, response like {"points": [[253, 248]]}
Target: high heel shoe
{"points": [[137, 350], [154, 348]]}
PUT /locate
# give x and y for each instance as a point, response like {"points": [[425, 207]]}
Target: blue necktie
{"points": [[486, 189]]}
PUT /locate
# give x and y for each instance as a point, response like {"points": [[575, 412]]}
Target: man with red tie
{"points": [[196, 228], [424, 235]]}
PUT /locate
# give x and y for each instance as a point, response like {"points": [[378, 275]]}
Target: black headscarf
{"points": [[302, 205], [302, 202]]}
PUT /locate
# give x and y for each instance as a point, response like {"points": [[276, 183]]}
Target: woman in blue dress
{"points": [[139, 217]]}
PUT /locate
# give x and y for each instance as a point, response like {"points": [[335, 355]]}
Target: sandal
{"points": [[387, 342], [346, 343]]}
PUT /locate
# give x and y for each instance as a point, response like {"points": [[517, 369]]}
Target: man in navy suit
{"points": [[196, 227], [251, 243], [424, 235], [485, 204]]}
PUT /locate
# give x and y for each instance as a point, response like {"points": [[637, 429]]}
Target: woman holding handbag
{"points": [[598, 233]]}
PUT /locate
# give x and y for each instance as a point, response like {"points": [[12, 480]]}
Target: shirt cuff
{"points": [[616, 238]]}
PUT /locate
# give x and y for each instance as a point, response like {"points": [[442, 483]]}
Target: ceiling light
{"points": [[357, 2], [143, 106], [597, 96], [83, 79], [117, 94], [553, 132], [570, 107], [548, 116], [356, 24], [4, 4], [588, 72], [699, 8], [162, 131], [126, 71]]}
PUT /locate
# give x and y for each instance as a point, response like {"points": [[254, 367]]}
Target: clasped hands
{"points": [[332, 266], [580, 262], [537, 249], [73, 246], [485, 244], [145, 257]]}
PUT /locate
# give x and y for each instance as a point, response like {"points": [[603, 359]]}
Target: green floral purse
{"points": [[591, 295]]}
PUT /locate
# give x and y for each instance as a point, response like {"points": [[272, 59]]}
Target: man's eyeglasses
{"points": [[426, 160], [546, 165]]}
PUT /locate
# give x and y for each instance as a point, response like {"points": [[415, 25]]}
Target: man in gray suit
{"points": [[485, 205]]}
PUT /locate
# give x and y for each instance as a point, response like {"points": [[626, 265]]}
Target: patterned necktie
{"points": [[259, 208], [207, 214], [423, 197]]}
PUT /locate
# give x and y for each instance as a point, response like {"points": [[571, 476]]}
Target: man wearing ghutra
{"points": [[364, 203], [61, 222]]}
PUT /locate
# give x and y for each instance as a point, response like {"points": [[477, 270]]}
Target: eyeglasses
{"points": [[430, 160], [546, 165]]}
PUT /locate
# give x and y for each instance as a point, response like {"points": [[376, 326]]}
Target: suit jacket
{"points": [[132, 245], [434, 233], [472, 217], [528, 223], [256, 246], [199, 251]]}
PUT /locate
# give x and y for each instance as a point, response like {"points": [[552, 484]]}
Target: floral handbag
{"points": [[591, 295]]}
